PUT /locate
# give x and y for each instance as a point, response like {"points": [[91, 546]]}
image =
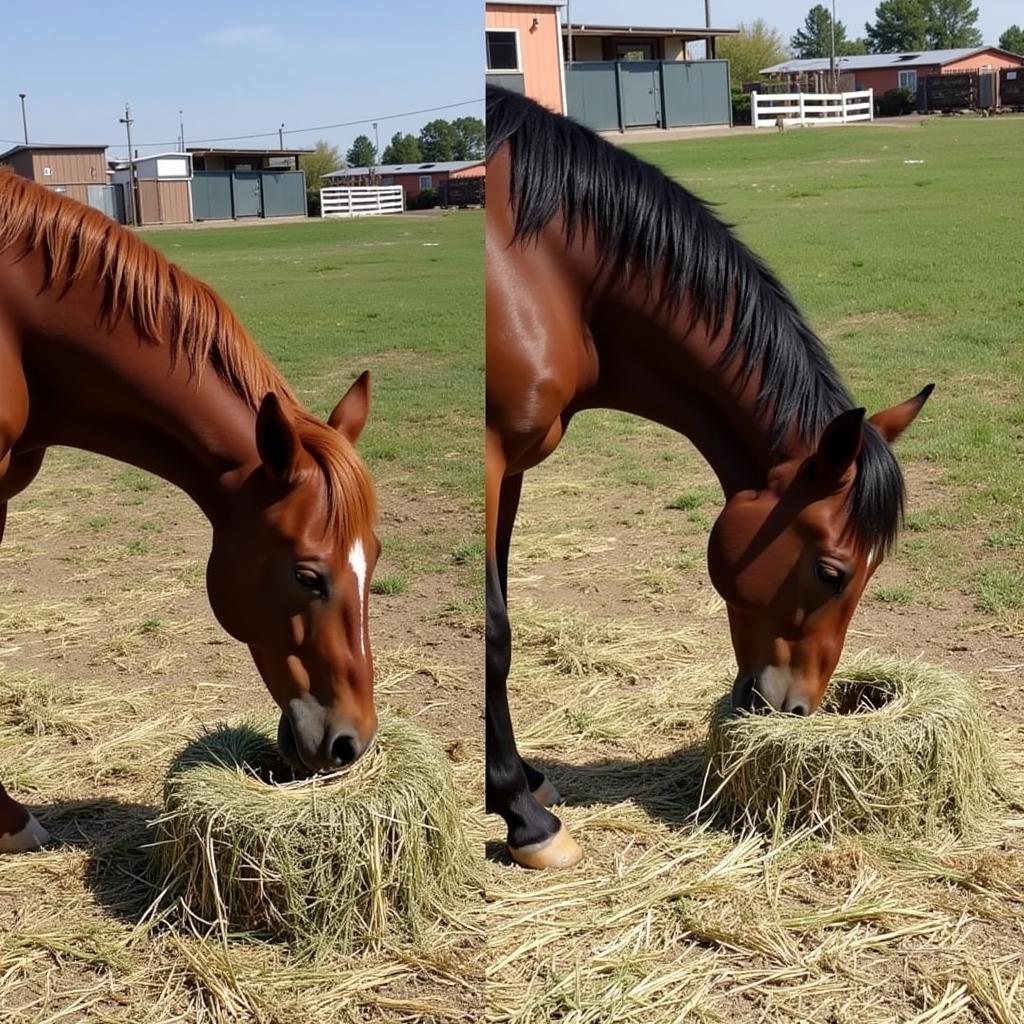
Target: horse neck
{"points": [[116, 393], [657, 363]]}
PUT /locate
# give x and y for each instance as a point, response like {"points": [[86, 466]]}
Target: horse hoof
{"points": [[546, 794], [560, 851], [31, 837]]}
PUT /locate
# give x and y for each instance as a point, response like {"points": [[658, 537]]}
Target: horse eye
{"points": [[830, 575], [312, 580]]}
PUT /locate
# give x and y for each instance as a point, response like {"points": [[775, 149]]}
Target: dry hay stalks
{"points": [[372, 856], [570, 644], [898, 748]]}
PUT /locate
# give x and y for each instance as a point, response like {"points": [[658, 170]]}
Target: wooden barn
{"points": [[77, 171]]}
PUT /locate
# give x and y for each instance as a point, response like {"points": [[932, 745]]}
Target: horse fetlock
{"points": [[30, 836]]}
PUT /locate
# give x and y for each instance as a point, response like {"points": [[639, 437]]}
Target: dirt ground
{"points": [[667, 921], [109, 660]]}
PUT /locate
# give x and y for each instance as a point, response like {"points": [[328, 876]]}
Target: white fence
{"points": [[361, 201], [811, 107]]}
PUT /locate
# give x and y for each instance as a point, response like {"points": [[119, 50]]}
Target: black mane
{"points": [[647, 224]]}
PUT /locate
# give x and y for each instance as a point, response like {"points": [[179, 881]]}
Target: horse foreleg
{"points": [[19, 829], [508, 505], [536, 838]]}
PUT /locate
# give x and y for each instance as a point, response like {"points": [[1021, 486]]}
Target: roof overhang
{"points": [[49, 147], [644, 30], [214, 151]]}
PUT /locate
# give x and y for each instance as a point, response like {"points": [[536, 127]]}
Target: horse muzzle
{"points": [[773, 689], [310, 740]]}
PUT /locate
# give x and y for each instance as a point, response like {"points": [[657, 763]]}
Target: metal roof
{"points": [[526, 3], [864, 62], [49, 146], [641, 30], [438, 166], [228, 150]]}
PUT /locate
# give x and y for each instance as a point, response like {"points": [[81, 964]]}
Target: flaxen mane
{"points": [[169, 307]]}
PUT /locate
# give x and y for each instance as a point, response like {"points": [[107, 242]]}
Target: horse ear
{"points": [[277, 441], [892, 422], [840, 444], [349, 416]]}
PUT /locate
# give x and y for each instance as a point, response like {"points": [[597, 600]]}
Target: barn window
{"points": [[908, 80], [426, 181], [502, 51]]}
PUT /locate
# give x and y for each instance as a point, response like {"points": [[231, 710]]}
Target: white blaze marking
{"points": [[357, 559], [872, 555]]}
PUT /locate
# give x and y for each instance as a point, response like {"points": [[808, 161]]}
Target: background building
{"points": [[885, 71], [414, 178], [77, 171]]}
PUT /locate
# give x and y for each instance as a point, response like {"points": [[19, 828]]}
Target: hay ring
{"points": [[897, 748], [374, 854]]}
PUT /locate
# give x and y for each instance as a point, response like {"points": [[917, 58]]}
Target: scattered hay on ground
{"points": [[373, 854], [897, 748]]}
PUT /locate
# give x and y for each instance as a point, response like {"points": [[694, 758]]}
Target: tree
{"points": [[856, 46], [899, 25], [1013, 40], [437, 140], [362, 153], [324, 159], [402, 149], [951, 24], [469, 138], [815, 38], [923, 24], [757, 45]]}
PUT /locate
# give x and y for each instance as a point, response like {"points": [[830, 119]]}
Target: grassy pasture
{"points": [[110, 660], [908, 271]]}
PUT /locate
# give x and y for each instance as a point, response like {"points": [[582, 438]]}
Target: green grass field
{"points": [[402, 297], [910, 273], [327, 299], [110, 658], [903, 246]]}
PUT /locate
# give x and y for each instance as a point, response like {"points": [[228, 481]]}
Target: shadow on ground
{"points": [[116, 836]]}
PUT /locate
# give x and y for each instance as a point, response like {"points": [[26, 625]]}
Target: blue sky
{"points": [[786, 15], [239, 68], [234, 68]]}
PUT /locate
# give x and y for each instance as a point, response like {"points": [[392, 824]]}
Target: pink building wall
{"points": [[540, 48]]}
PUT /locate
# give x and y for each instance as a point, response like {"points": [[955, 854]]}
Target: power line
{"points": [[316, 128]]}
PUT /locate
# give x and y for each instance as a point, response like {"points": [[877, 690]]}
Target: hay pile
{"points": [[370, 855], [897, 748]]}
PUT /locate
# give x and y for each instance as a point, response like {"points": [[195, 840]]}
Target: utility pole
{"points": [[568, 33], [376, 143], [181, 129], [709, 52], [24, 120], [127, 121], [280, 136], [832, 61]]}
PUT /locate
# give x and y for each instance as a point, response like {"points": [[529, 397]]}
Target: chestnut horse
{"points": [[610, 286], [106, 346]]}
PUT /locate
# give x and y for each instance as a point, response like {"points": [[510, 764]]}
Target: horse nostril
{"points": [[799, 709], [344, 750]]}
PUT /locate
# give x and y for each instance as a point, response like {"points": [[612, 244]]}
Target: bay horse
{"points": [[610, 286], [108, 347]]}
